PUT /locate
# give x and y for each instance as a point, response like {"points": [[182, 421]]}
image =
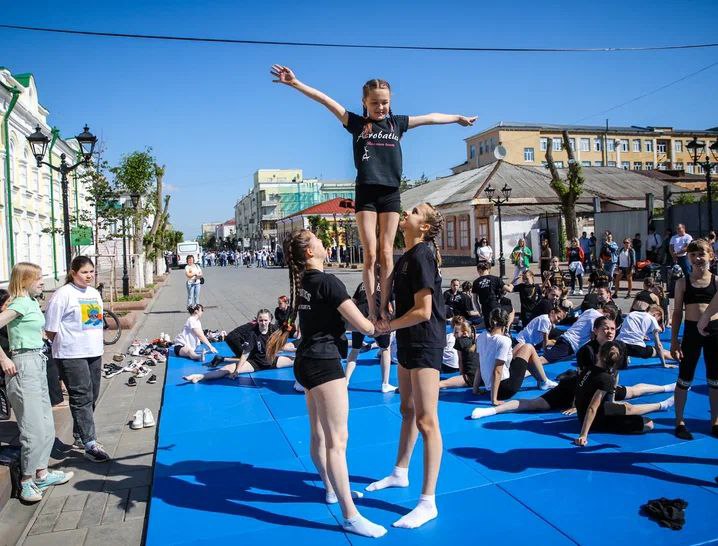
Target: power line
{"points": [[354, 46], [656, 90]]}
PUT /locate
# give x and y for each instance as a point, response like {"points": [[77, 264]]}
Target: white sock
{"points": [[331, 496], [362, 526], [669, 388], [478, 413], [424, 511], [667, 403], [298, 387], [387, 387], [398, 478]]}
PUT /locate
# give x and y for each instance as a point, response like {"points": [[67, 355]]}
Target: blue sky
{"points": [[212, 115]]}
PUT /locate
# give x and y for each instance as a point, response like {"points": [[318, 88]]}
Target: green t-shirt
{"points": [[25, 331]]}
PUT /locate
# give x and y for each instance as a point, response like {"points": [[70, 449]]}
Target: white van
{"points": [[187, 248]]}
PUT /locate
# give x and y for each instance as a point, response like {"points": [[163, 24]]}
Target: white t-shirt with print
{"points": [[680, 243], [451, 356], [492, 348], [193, 269], [580, 331], [187, 337], [637, 325], [75, 315], [534, 331]]}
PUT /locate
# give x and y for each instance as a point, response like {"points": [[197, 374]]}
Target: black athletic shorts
{"points": [[640, 352], [511, 385], [312, 372], [377, 198], [259, 364], [177, 348], [382, 340], [414, 358]]}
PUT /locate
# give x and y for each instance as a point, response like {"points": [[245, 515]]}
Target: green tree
{"points": [[321, 227], [568, 190]]}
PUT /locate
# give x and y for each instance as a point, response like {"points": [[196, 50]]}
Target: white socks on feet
{"points": [[424, 511], [478, 413], [331, 496], [667, 403], [386, 387], [669, 388], [398, 478], [362, 526]]}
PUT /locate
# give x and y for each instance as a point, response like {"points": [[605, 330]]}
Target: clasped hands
{"points": [[381, 326]]}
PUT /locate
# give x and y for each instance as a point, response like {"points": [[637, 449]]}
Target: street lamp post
{"points": [[38, 142], [498, 201], [134, 198], [696, 147]]}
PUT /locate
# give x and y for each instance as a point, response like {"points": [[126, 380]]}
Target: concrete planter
{"points": [[128, 320], [130, 305]]}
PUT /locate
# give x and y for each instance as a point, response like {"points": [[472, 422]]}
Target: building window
{"points": [[544, 144], [598, 163], [678, 145], [661, 147], [637, 165], [649, 165], [559, 164], [585, 163], [544, 164], [679, 165], [597, 146], [611, 145], [572, 143], [689, 168], [529, 155], [481, 147], [611, 163], [585, 144], [649, 145], [557, 144], [464, 232], [451, 233], [636, 144], [625, 165], [624, 144], [472, 151]]}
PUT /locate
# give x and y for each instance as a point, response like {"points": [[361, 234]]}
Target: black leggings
{"points": [[573, 280], [691, 345], [511, 385]]}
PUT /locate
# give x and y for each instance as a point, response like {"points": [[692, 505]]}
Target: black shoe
{"points": [[152, 380], [216, 361], [132, 382], [683, 433], [97, 454], [150, 362]]}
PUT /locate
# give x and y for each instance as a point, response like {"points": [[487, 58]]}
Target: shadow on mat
{"points": [[226, 487], [573, 458]]}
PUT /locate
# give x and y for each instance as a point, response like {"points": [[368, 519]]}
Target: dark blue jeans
{"points": [[685, 265], [82, 379]]}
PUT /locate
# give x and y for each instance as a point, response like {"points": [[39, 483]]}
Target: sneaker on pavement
{"points": [[118, 357], [132, 382], [143, 371], [147, 419], [152, 380], [30, 492], [56, 477], [97, 453], [137, 421]]}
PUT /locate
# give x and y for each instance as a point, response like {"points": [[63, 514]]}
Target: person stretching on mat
{"points": [[637, 326], [596, 407], [537, 331], [696, 293], [322, 304], [381, 340], [465, 346], [192, 335], [578, 334], [420, 338], [561, 397], [249, 344]]}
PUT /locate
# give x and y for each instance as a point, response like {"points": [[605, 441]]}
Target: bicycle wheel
{"points": [[111, 327]]}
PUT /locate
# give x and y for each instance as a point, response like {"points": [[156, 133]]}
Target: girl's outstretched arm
{"points": [[440, 119], [284, 74]]}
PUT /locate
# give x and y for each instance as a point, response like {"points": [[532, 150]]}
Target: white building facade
{"points": [[31, 197]]}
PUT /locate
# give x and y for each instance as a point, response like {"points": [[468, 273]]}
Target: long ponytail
{"points": [[294, 251], [436, 222]]}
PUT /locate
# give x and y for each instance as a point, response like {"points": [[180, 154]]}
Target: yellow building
{"points": [[635, 148]]}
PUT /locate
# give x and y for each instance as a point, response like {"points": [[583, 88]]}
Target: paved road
{"points": [[106, 504]]}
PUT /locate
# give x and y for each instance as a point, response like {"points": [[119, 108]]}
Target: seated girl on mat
{"points": [[637, 326], [191, 336]]}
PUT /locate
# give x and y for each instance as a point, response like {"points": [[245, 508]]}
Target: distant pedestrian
{"points": [[546, 255], [521, 258], [653, 245], [194, 281], [636, 243], [679, 249]]}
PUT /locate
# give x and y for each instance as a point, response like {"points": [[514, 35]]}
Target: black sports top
{"points": [[700, 295], [645, 297]]}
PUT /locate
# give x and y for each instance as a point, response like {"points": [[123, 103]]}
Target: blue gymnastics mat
{"points": [[233, 464]]}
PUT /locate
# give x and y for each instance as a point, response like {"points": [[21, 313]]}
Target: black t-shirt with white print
{"points": [[489, 289], [319, 319], [377, 151], [590, 380], [362, 301], [414, 271]]}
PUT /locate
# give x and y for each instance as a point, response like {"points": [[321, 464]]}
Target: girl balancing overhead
{"points": [[378, 160]]}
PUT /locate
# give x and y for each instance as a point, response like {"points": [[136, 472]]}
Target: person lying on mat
{"points": [[192, 335], [561, 397], [578, 334], [537, 332], [596, 407], [637, 326], [249, 344]]}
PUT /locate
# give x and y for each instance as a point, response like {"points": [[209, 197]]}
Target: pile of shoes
{"points": [[136, 368], [215, 335], [143, 419], [157, 351]]}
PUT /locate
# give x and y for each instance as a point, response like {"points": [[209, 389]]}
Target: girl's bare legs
{"points": [[642, 389], [331, 402], [218, 373], [351, 363], [425, 383], [629, 277], [388, 224], [189, 353], [366, 224], [617, 281], [511, 406], [457, 381], [385, 363], [285, 362], [407, 438], [317, 445]]}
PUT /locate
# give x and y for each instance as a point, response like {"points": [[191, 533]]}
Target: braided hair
{"points": [[436, 223], [295, 246], [368, 86]]}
